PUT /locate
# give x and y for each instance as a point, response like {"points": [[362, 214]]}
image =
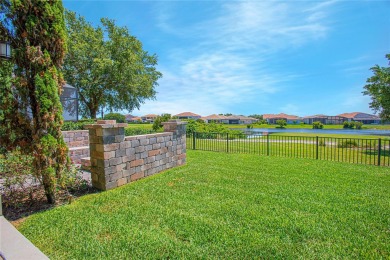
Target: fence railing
{"points": [[352, 150]]}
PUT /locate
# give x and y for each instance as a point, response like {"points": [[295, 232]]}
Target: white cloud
{"points": [[226, 61]]}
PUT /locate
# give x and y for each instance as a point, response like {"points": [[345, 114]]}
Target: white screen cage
{"points": [[70, 103]]}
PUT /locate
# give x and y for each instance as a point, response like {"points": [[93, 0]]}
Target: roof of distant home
{"points": [[150, 115], [316, 116], [184, 114], [231, 117], [359, 115], [281, 116]]}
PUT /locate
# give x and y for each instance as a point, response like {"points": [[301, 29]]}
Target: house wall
{"points": [[117, 160]]}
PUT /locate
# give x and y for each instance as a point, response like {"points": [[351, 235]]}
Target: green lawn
{"points": [[333, 135], [360, 151], [228, 206]]}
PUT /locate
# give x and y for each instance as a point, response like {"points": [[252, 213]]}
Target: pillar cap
{"points": [[105, 124], [175, 122]]}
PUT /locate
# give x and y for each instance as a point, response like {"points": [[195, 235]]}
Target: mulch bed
{"points": [[21, 204]]}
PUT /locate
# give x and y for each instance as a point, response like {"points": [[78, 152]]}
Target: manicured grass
{"points": [[333, 135], [227, 206], [359, 151]]}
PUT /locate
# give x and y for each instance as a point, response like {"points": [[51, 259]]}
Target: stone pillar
{"points": [[117, 160], [178, 128], [104, 140]]}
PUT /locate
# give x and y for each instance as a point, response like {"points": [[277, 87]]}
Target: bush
{"points": [[115, 116], [15, 170], [358, 125], [318, 125], [22, 189], [345, 124], [347, 144], [138, 131], [79, 125], [352, 124], [281, 122], [249, 126], [157, 124]]}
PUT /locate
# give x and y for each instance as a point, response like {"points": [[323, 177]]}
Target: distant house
{"points": [[188, 115], [133, 119], [129, 118], [149, 118], [290, 119], [361, 117], [324, 119], [242, 120], [231, 120], [216, 119]]}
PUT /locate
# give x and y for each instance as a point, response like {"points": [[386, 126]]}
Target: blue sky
{"points": [[255, 57]]}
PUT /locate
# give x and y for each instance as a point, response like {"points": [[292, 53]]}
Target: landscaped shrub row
{"points": [[138, 131], [210, 130], [79, 125]]}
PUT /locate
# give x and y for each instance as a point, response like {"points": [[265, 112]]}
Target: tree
{"points": [[260, 117], [31, 109], [157, 124], [115, 116], [108, 66], [378, 88], [281, 122]]}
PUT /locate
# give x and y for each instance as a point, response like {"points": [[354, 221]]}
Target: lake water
{"points": [[319, 131]]}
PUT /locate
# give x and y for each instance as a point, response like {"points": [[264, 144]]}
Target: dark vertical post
{"points": [[316, 147], [268, 144], [227, 142], [379, 151], [193, 141]]}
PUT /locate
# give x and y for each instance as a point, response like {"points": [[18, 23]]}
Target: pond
{"points": [[319, 131]]}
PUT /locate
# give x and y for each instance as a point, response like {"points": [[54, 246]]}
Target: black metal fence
{"points": [[352, 150]]}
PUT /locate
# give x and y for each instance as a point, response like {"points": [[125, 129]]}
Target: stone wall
{"points": [[117, 160], [78, 144]]}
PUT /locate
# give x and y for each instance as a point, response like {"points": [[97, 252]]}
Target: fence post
{"points": [[316, 147], [227, 142], [193, 141], [268, 144], [379, 151]]}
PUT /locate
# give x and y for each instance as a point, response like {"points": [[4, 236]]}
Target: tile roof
{"points": [[359, 115], [215, 117], [150, 115], [188, 114], [281, 115], [316, 116]]}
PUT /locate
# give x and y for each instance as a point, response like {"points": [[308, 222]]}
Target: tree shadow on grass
{"points": [[374, 152]]}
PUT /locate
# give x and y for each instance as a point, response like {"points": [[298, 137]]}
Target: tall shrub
{"points": [[36, 30]]}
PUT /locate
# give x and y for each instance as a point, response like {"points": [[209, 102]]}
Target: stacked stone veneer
{"points": [[78, 144], [117, 160]]}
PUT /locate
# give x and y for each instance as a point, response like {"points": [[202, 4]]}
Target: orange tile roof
{"points": [[187, 114], [150, 115], [362, 115], [281, 115], [215, 117]]}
